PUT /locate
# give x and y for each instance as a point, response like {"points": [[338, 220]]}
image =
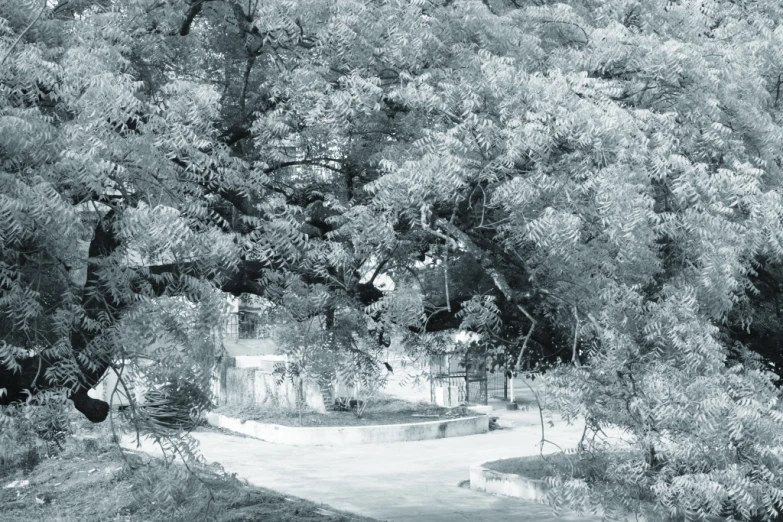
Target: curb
{"points": [[507, 484], [349, 435]]}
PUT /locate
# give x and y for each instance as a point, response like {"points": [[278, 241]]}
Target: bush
{"points": [[32, 430], [177, 404], [705, 439]]}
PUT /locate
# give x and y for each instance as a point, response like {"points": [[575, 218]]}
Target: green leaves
{"points": [[480, 315], [612, 167]]}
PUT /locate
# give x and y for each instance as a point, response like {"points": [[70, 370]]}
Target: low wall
{"points": [[251, 347], [349, 435], [262, 362], [244, 380], [507, 484]]}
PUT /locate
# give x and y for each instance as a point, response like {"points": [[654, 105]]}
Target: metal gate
{"points": [[497, 384], [470, 380]]}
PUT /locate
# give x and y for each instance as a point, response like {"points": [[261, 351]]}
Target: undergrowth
{"points": [[91, 479]]}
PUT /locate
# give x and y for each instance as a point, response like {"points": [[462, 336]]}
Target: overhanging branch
{"points": [[527, 337]]}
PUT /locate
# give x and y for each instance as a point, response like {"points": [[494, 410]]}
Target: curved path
{"points": [[403, 481]]}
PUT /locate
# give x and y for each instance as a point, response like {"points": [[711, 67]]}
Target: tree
{"points": [[605, 171]]}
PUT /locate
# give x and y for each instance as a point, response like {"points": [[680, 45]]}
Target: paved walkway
{"points": [[400, 482]]}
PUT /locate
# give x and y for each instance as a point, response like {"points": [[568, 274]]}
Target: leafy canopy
{"points": [[600, 176]]}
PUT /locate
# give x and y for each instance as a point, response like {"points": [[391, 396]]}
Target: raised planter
{"points": [[513, 485], [507, 484], [349, 435]]}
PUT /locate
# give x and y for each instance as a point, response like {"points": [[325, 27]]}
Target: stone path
{"points": [[400, 482]]}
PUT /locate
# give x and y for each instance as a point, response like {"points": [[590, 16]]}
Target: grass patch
{"points": [[379, 411], [535, 466], [90, 482], [591, 467]]}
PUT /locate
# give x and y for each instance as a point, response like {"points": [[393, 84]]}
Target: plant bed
{"points": [[379, 412], [520, 477], [588, 466], [534, 466], [384, 420], [350, 435], [525, 477]]}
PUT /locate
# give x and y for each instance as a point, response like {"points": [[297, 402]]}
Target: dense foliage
{"points": [[594, 179]]}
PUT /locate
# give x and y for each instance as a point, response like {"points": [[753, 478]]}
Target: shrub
{"points": [[31, 430], [176, 404], [706, 439]]}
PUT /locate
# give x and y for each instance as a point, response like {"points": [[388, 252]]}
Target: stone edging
{"points": [[349, 435], [507, 484]]}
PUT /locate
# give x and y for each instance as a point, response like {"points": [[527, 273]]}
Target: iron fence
{"points": [[471, 388], [249, 325], [497, 385]]}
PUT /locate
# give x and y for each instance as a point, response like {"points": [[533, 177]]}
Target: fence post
{"points": [[467, 382]]}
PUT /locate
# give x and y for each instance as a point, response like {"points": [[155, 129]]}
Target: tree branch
{"points": [[21, 35], [193, 11], [574, 356], [98, 305], [527, 338], [251, 59], [315, 162]]}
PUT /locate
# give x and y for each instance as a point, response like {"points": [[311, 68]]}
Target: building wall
{"points": [[111, 391], [409, 380], [258, 386], [249, 347]]}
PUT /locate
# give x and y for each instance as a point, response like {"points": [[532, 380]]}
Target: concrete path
{"points": [[401, 482]]}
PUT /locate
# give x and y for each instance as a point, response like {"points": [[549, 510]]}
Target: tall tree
{"points": [[605, 171]]}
